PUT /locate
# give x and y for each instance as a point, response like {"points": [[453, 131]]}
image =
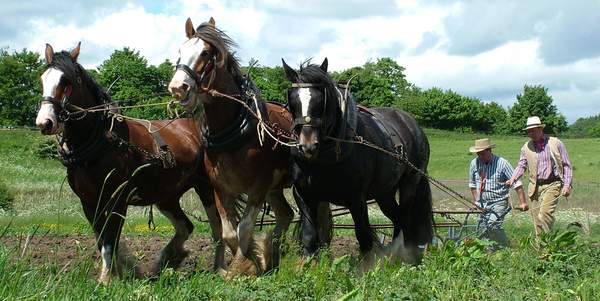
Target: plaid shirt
{"points": [[490, 179]]}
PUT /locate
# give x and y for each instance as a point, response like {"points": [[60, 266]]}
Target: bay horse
{"points": [[112, 163], [234, 158], [326, 166]]}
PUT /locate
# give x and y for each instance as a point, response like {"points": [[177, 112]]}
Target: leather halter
{"points": [[307, 121], [199, 77]]}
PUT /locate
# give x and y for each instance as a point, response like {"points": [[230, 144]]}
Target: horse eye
{"points": [[204, 53]]}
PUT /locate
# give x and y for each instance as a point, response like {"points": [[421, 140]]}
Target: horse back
{"points": [[181, 136], [401, 129]]}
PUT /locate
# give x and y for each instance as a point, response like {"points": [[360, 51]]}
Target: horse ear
{"points": [[49, 54], [324, 65], [211, 22], [75, 52], [189, 28], [290, 73]]}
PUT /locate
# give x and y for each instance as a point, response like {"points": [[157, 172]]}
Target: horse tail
{"points": [[421, 227]]}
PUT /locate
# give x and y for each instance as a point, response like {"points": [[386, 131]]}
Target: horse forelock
{"points": [[222, 42], [73, 70], [313, 74]]}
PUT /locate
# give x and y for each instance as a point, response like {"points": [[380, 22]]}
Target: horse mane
{"points": [[72, 69], [312, 73], [220, 40]]}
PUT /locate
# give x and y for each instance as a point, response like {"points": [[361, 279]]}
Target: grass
{"points": [[451, 271], [42, 203]]}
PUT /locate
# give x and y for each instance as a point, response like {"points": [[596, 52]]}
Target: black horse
{"points": [[324, 168]]}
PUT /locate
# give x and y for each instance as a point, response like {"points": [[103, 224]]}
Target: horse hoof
{"points": [[104, 278]]}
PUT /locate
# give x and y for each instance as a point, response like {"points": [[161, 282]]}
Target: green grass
{"points": [[450, 272]]}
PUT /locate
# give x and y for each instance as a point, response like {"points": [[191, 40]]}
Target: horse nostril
{"points": [[185, 87], [48, 125]]}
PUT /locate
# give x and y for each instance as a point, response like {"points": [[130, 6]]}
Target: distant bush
{"points": [[6, 198], [47, 149]]}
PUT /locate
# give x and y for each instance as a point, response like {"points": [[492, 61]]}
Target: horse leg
{"points": [[174, 253], [390, 208], [107, 221], [206, 194], [246, 261], [364, 233], [226, 206], [416, 217], [283, 218], [310, 224]]}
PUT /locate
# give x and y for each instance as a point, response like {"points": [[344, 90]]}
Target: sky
{"points": [[483, 49]]}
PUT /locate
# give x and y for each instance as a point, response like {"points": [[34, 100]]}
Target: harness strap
{"points": [[166, 156]]}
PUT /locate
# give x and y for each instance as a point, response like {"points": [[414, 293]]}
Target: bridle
{"points": [[198, 77], [307, 121], [63, 105]]}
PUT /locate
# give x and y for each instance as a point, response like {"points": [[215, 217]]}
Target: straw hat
{"points": [[481, 144], [534, 122]]}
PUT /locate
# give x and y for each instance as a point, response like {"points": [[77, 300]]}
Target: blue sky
{"points": [[483, 49]]}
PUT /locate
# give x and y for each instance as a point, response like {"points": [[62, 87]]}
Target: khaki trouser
{"points": [[543, 214]]}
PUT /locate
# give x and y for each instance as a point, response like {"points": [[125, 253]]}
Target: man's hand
{"points": [[566, 191], [523, 207], [510, 182]]}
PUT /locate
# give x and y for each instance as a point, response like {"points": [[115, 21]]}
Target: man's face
{"points": [[536, 134], [485, 155]]}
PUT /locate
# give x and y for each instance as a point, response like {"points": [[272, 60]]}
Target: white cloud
{"points": [[419, 35]]}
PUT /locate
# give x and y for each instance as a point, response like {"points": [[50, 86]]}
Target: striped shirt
{"points": [[490, 179], [545, 169]]}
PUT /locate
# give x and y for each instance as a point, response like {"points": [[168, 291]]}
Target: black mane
{"points": [[72, 70], [313, 74]]}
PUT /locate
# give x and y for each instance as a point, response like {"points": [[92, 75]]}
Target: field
{"points": [[47, 250]]}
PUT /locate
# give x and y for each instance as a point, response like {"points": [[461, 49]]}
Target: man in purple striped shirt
{"points": [[550, 172]]}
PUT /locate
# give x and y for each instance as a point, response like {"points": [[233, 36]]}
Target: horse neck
{"points": [[77, 133], [221, 112]]}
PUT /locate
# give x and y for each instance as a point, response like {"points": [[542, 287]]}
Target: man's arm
{"points": [[568, 170], [474, 194], [519, 170], [522, 202]]}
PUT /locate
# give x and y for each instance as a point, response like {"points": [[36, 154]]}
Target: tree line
{"points": [[133, 81]]}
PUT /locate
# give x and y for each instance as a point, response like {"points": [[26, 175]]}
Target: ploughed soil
{"points": [[67, 252]]}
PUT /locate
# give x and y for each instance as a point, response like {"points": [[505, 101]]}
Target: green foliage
{"points": [[452, 111], [382, 83], [6, 197], [46, 148], [558, 246], [535, 101], [20, 87], [271, 82], [585, 127], [135, 82]]}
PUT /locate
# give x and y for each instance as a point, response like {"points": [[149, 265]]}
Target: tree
{"points": [[382, 83], [135, 82], [535, 101], [20, 88], [585, 127], [271, 81]]}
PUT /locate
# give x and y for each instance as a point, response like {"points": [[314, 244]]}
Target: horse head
{"points": [[314, 103], [65, 91], [200, 58]]}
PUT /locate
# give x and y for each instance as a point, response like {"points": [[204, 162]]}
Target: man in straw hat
{"points": [[488, 174], [550, 172]]}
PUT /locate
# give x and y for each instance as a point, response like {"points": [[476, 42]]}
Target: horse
{"points": [[328, 164], [236, 159], [112, 164]]}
